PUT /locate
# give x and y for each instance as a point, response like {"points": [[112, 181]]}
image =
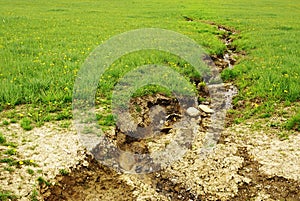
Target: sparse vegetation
{"points": [[42, 181], [4, 195], [293, 122], [26, 124], [64, 172]]}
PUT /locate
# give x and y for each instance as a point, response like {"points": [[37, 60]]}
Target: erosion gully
{"points": [[98, 182]]}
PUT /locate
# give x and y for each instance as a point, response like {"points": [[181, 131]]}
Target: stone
{"points": [[206, 109], [193, 112]]}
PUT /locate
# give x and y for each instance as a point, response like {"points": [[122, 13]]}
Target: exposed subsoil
{"points": [[92, 182], [279, 188], [97, 182]]}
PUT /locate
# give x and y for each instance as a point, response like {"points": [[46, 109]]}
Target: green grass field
{"points": [[44, 43]]}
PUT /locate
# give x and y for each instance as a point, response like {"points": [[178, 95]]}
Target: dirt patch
{"points": [[90, 182], [277, 188]]}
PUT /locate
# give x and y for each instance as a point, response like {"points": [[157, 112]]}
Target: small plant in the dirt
{"points": [[10, 144], [138, 108], [265, 115], [293, 123], [106, 120], [5, 195], [283, 136], [30, 171], [9, 161], [64, 172], [34, 195], [13, 121], [13, 162], [65, 124], [5, 123], [2, 139], [10, 152], [26, 124], [42, 181], [30, 162], [9, 169], [238, 120], [229, 75]]}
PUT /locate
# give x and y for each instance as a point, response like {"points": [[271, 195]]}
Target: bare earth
{"points": [[248, 163]]}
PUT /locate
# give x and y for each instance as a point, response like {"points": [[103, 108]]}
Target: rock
{"points": [[193, 112], [206, 109]]}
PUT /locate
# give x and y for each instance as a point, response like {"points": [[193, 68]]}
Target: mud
{"points": [[91, 182]]}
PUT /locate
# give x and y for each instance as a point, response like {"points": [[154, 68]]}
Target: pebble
{"points": [[193, 112], [206, 109]]}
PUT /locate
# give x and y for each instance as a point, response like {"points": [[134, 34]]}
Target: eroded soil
{"points": [[91, 182], [231, 172]]}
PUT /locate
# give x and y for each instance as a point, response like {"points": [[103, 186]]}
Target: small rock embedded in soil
{"points": [[206, 109], [193, 112]]}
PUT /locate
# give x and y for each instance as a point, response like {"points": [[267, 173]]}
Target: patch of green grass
{"points": [[38, 66], [26, 124], [64, 172], [10, 152], [2, 139], [5, 122], [42, 181], [34, 195], [229, 75], [65, 124], [6, 195], [265, 115], [13, 121], [9, 169], [18, 163], [293, 122], [9, 161], [283, 136], [30, 171]]}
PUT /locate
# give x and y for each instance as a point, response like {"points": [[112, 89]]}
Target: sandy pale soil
{"points": [[247, 164]]}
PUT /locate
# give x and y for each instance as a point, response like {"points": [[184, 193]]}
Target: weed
{"points": [[10, 152], [30, 162], [30, 171], [6, 195], [229, 75], [26, 124], [293, 123], [9, 161], [34, 195], [5, 123], [2, 139], [65, 124], [265, 115], [13, 121], [108, 120], [9, 169], [42, 181], [64, 172], [283, 136]]}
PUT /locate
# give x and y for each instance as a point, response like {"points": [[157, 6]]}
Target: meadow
{"points": [[44, 43]]}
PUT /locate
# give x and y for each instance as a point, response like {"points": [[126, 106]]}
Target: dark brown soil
{"points": [[94, 182], [278, 188]]}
